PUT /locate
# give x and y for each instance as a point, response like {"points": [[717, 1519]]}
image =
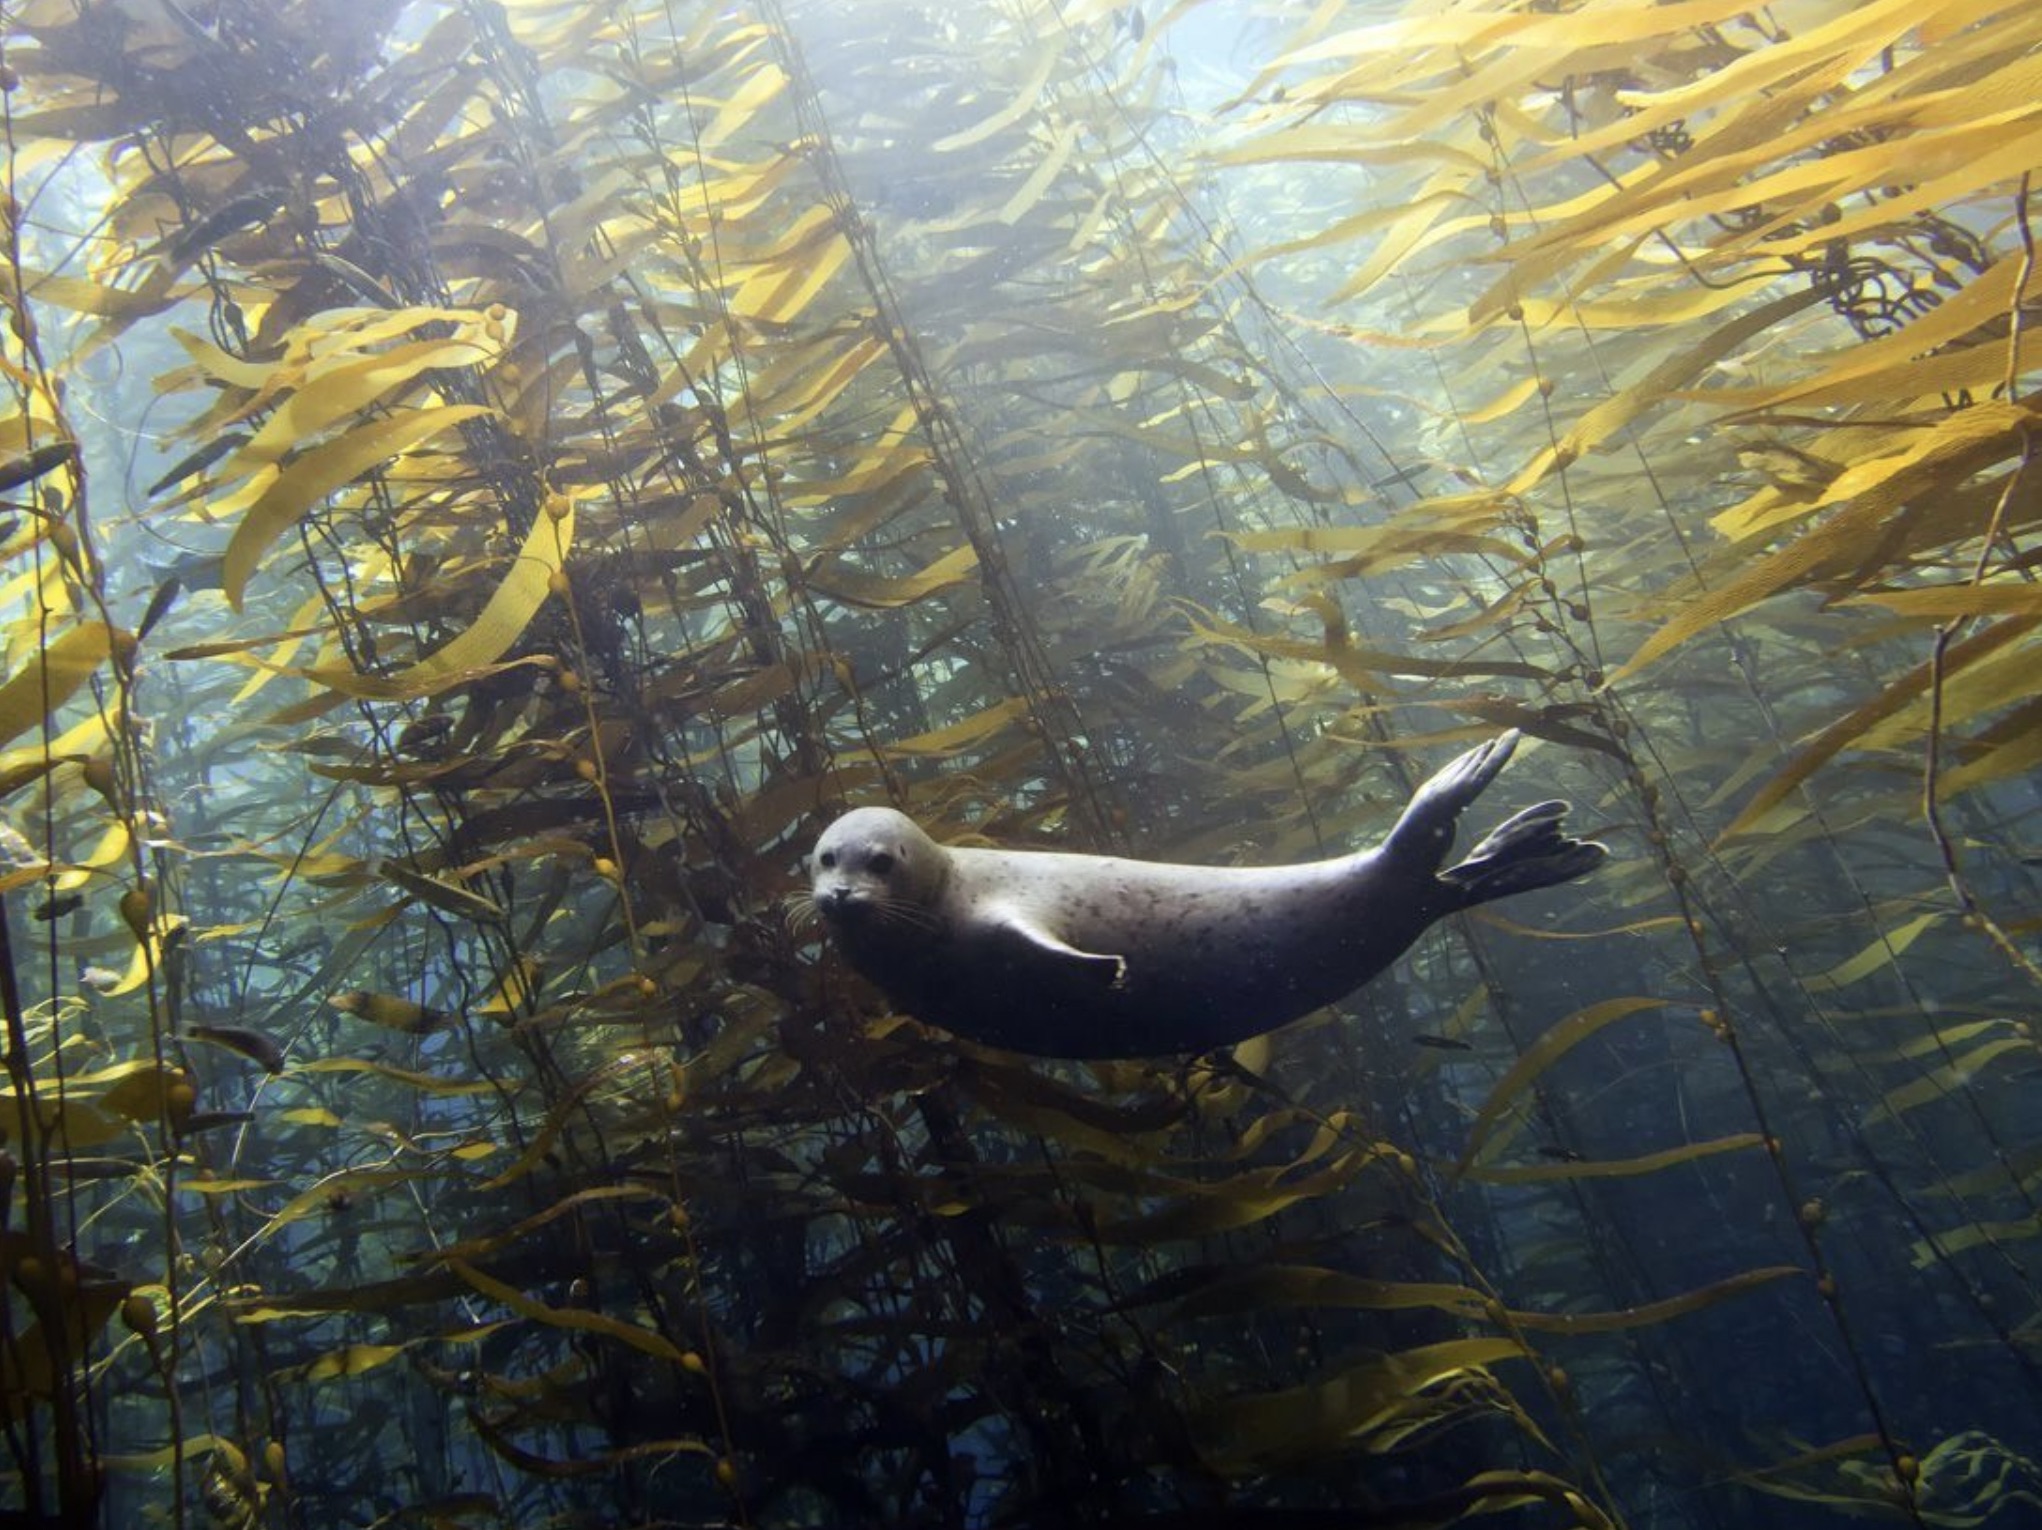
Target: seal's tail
{"points": [[1522, 853]]}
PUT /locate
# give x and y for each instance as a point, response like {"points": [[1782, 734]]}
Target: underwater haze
{"points": [[483, 483]]}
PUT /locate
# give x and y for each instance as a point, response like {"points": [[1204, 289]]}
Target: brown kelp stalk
{"points": [[1976, 916]]}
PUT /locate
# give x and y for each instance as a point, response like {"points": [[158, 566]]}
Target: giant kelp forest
{"points": [[484, 483]]}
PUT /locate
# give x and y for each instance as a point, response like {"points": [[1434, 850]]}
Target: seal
{"points": [[1096, 956]]}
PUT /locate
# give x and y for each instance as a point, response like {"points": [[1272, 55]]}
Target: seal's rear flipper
{"points": [[1521, 853], [1426, 829]]}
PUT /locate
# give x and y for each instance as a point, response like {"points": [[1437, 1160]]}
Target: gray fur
{"points": [[1068, 955]]}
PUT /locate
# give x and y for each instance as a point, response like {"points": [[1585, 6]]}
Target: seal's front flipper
{"points": [[1106, 972], [1521, 853], [1423, 834]]}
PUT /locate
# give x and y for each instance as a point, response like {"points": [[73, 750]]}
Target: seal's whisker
{"points": [[800, 907], [906, 911]]}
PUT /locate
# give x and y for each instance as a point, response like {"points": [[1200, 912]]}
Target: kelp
{"points": [[585, 448]]}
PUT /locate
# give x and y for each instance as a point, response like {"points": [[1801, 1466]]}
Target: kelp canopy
{"points": [[485, 482]]}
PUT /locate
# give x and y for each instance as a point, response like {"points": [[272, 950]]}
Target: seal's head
{"points": [[874, 864]]}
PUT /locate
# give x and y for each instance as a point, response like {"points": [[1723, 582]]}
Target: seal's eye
{"points": [[827, 859], [881, 864]]}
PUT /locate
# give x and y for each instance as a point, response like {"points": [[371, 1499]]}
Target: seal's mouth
{"points": [[840, 901], [848, 906]]}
